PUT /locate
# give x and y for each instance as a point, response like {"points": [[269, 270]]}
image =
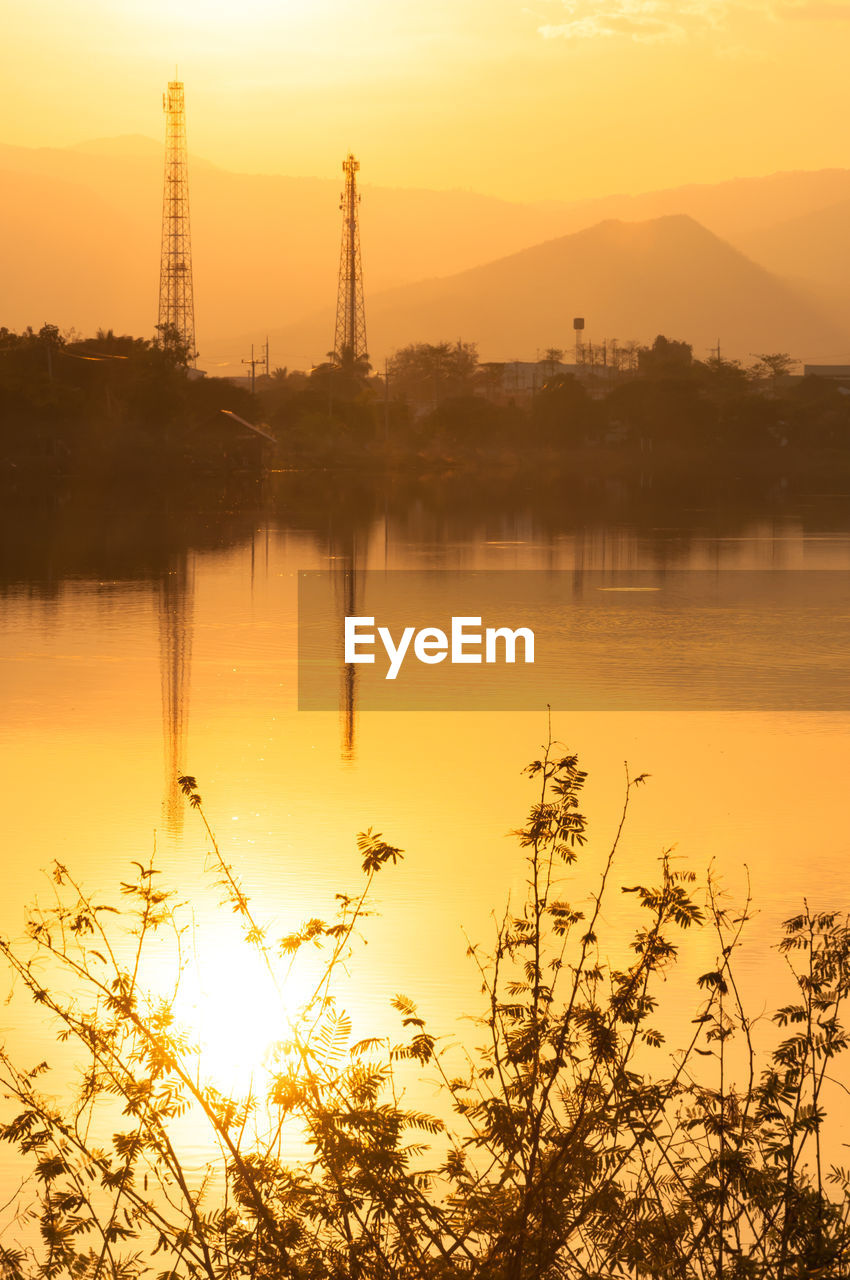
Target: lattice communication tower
{"points": [[350, 333], [176, 324]]}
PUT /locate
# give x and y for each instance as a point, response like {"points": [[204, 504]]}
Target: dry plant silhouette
{"points": [[572, 1143]]}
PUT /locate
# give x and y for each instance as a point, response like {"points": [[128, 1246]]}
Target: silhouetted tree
{"points": [[172, 343], [772, 368], [426, 373], [665, 358], [570, 1144]]}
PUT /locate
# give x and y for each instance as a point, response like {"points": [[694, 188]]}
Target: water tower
{"points": [[578, 325]]}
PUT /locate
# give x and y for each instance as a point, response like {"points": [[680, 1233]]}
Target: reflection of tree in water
{"points": [[175, 608], [49, 536]]}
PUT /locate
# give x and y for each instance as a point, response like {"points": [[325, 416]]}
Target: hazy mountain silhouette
{"points": [[127, 145], [813, 247], [80, 226], [733, 209], [66, 258], [630, 280], [84, 224]]}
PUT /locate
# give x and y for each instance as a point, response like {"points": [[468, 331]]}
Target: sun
{"points": [[235, 1012]]}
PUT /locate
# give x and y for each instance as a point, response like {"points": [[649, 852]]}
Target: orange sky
{"points": [[550, 98]]}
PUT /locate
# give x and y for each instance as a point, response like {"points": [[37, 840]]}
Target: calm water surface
{"points": [[123, 661]]}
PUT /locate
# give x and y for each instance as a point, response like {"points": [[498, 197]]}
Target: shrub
{"points": [[555, 1151]]}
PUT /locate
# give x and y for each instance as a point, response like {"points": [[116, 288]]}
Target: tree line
{"points": [[440, 402], [129, 403], [110, 403]]}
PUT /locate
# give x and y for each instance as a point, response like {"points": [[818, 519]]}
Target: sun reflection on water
{"points": [[237, 1009]]}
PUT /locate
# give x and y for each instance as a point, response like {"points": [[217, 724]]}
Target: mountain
{"points": [[80, 231], [126, 144], [80, 226], [734, 210], [629, 280], [66, 260], [814, 248]]}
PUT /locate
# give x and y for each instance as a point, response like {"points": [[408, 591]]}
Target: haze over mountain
{"points": [[814, 248], [80, 230], [735, 209], [81, 227], [630, 280]]}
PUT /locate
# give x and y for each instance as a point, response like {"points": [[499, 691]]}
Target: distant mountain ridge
{"points": [[265, 247], [124, 144], [80, 234], [814, 247], [629, 280], [733, 209]]}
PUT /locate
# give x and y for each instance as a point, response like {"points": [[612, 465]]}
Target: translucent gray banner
{"points": [[643, 640]]}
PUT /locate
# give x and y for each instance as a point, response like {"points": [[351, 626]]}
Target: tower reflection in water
{"points": [[344, 562], [175, 608], [175, 598]]}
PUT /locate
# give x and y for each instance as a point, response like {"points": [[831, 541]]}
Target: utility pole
{"points": [[176, 321], [253, 362], [350, 331]]}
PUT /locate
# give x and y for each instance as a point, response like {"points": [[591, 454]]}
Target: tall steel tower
{"points": [[350, 334], [176, 324]]}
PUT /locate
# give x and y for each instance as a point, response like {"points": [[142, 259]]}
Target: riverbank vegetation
{"points": [[439, 405], [575, 1134], [114, 406]]}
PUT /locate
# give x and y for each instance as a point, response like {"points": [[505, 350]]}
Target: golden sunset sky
{"points": [[545, 99]]}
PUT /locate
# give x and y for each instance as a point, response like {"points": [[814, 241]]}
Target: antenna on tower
{"points": [[350, 332], [176, 323]]}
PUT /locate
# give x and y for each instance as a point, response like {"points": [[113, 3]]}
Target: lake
{"points": [[139, 640]]}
